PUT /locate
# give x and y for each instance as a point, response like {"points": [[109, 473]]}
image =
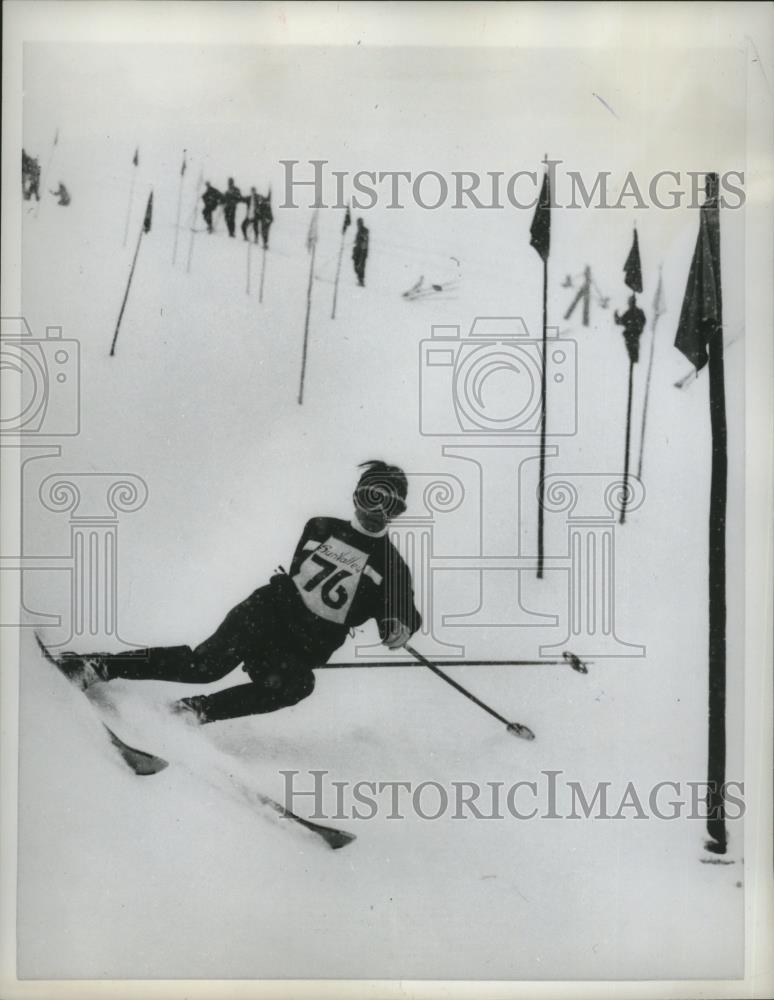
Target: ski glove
{"points": [[394, 633]]}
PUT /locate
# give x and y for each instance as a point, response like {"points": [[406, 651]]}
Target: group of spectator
{"points": [[258, 215]]}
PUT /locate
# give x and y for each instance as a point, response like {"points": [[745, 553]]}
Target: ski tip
{"points": [[523, 732], [332, 836], [575, 662], [339, 838]]}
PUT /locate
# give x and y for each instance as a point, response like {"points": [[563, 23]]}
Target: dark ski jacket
{"points": [[341, 577]]}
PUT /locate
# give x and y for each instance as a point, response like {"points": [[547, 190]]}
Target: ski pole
{"points": [[568, 659], [515, 728]]}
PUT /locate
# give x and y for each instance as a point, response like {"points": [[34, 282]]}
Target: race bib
{"points": [[328, 579]]}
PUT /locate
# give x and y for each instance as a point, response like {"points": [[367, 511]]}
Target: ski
{"points": [[143, 763], [139, 761], [334, 837]]}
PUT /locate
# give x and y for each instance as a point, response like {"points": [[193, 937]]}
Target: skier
{"points": [[360, 252], [633, 323], [265, 217], [342, 574], [211, 198], [62, 194], [251, 217], [30, 177], [231, 199]]}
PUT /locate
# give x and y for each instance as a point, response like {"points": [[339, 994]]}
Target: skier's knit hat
{"points": [[382, 487]]}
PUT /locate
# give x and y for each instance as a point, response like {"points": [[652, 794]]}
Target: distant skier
{"points": [[265, 218], [360, 252], [62, 194], [343, 573], [211, 198], [30, 177], [231, 199], [633, 323], [251, 217]]}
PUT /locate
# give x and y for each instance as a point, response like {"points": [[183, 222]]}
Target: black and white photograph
{"points": [[387, 479]]}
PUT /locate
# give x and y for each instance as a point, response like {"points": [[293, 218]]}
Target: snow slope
{"points": [[175, 876]]}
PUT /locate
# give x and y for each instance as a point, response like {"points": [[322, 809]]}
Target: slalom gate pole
{"points": [[625, 497], [654, 324], [193, 222], [543, 408], [129, 208], [177, 220], [126, 293], [263, 274], [338, 275], [306, 326], [515, 728]]}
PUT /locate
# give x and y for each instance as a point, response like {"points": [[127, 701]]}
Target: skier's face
{"points": [[376, 506]]}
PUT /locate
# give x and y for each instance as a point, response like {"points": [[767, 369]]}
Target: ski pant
{"points": [[246, 223], [229, 211], [359, 260], [251, 635]]}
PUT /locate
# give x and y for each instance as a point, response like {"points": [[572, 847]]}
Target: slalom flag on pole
{"points": [[700, 338], [56, 137], [145, 228], [146, 222], [540, 230], [311, 246], [136, 157], [182, 168], [633, 267], [540, 239], [347, 220]]}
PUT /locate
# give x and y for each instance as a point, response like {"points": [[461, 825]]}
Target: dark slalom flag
{"points": [[540, 230], [700, 338], [136, 157], [540, 239], [146, 222], [145, 228], [347, 220], [700, 316], [632, 267], [182, 167]]}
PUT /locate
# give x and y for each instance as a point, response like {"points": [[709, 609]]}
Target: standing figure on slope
{"points": [[343, 573], [265, 217], [211, 198], [360, 252], [251, 215], [62, 194], [231, 199], [30, 177], [633, 323]]}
